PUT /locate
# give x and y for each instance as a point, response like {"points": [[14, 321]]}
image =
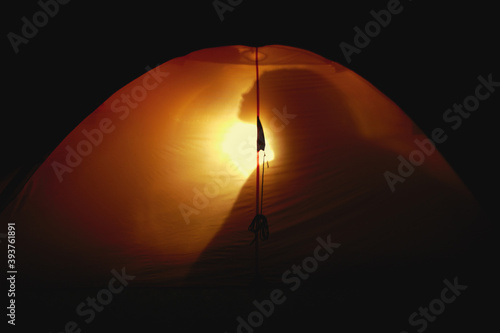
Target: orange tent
{"points": [[161, 177]]}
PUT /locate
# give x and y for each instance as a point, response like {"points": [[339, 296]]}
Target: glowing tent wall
{"points": [[167, 184]]}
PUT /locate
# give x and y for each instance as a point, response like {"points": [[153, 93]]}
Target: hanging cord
{"points": [[257, 174], [259, 224], [262, 187]]}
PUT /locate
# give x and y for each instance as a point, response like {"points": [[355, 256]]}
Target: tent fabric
{"points": [[167, 186]]}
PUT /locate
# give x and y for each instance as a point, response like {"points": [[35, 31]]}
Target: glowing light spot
{"points": [[240, 144]]}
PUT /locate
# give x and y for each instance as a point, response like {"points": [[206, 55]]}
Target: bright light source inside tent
{"points": [[240, 144]]}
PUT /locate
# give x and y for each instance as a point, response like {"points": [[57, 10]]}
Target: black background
{"points": [[428, 58]]}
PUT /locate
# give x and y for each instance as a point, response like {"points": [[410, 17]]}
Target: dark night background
{"points": [[428, 58]]}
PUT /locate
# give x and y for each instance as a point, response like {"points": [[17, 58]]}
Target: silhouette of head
{"points": [[296, 104]]}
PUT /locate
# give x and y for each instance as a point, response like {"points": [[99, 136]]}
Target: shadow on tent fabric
{"points": [[327, 181]]}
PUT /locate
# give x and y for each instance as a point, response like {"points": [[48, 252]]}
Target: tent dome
{"points": [[161, 177]]}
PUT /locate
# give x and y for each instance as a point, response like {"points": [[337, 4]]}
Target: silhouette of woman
{"points": [[327, 179]]}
